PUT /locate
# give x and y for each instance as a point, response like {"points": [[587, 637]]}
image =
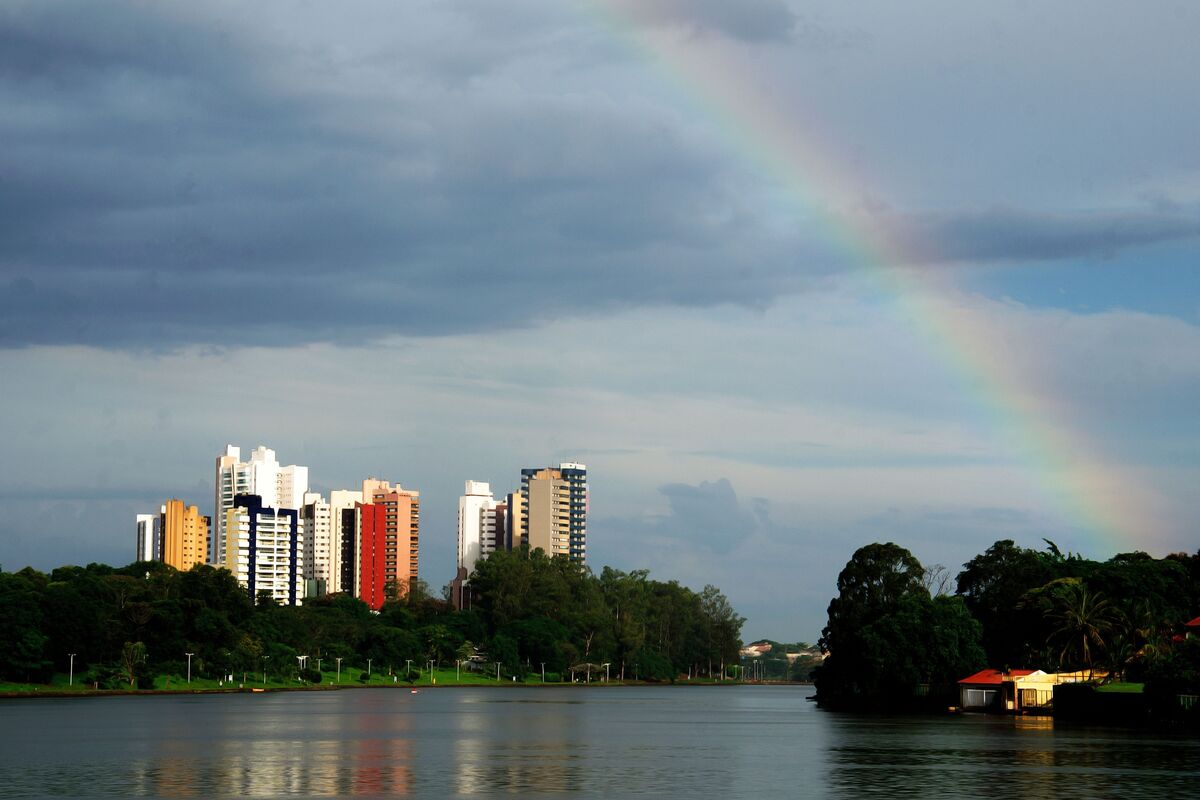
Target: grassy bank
{"points": [[330, 679]]}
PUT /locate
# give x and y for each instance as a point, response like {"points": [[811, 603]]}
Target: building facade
{"points": [[343, 545], [185, 535], [316, 531], [262, 475], [476, 524], [553, 510], [149, 538], [401, 509], [264, 550]]}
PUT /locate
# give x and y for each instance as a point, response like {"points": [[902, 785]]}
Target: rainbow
{"points": [[1109, 506]]}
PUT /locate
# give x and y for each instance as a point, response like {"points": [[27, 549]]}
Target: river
{"points": [[687, 742]]}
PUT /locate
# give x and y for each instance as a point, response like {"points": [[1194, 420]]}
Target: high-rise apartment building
{"points": [[149, 538], [185, 533], [177, 535], [316, 531], [330, 532], [389, 545], [476, 524], [553, 510], [264, 550], [344, 526], [262, 475], [483, 528]]}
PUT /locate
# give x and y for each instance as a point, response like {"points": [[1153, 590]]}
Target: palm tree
{"points": [[1084, 622]]}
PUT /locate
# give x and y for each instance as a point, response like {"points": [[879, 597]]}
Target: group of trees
{"points": [[894, 626], [127, 625], [538, 609]]}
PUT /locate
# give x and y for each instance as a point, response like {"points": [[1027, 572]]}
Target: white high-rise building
{"points": [[149, 538], [316, 529], [264, 550], [330, 534], [279, 487], [343, 547], [476, 524]]}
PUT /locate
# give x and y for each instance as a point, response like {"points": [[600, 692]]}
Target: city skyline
{"points": [[354, 541], [789, 278]]}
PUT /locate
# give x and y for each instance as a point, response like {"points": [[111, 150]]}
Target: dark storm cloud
{"points": [[161, 186], [169, 179], [1006, 234]]}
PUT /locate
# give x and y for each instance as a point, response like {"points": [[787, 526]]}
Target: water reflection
{"points": [[752, 741], [1030, 759], [517, 744]]}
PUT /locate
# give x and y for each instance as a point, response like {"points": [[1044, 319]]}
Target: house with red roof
{"points": [[984, 691], [1018, 691]]}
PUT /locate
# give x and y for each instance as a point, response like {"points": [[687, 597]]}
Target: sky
{"points": [[790, 278]]}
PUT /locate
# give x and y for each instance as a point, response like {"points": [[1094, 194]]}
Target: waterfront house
{"points": [[1019, 691], [984, 691]]}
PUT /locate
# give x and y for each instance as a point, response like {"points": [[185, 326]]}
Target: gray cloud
{"points": [[1009, 234], [158, 187], [708, 515], [749, 20], [170, 179]]}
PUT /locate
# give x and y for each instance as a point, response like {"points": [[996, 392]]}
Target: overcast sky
{"points": [[440, 241]]}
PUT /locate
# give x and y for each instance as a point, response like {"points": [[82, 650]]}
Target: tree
{"points": [[1083, 621], [886, 635], [21, 637], [133, 660], [992, 585]]}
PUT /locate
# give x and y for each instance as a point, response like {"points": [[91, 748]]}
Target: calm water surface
{"points": [[678, 742]]}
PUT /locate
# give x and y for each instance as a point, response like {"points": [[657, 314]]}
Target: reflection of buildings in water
{"points": [[485, 766], [364, 754], [518, 749], [175, 772], [379, 765]]}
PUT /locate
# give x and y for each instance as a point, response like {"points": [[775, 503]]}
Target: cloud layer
{"points": [[175, 175], [466, 237]]}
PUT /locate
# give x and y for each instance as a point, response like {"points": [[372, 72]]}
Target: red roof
{"points": [[1193, 624], [995, 676]]}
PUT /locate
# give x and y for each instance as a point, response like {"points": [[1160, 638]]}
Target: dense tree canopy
{"points": [[1015, 607], [887, 636], [125, 625]]}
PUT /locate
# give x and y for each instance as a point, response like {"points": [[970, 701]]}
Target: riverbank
{"points": [[441, 679]]}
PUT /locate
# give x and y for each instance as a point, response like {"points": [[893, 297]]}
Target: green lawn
{"points": [[1122, 688], [350, 677]]}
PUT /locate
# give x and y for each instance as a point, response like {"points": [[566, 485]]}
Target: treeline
{"points": [[894, 629], [126, 625]]}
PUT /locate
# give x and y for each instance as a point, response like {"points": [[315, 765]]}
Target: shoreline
{"points": [[91, 693]]}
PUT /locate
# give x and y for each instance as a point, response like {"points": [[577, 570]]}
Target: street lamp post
{"points": [[368, 669], [543, 672], [71, 671], [189, 656], [407, 667], [339, 669], [265, 670]]}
